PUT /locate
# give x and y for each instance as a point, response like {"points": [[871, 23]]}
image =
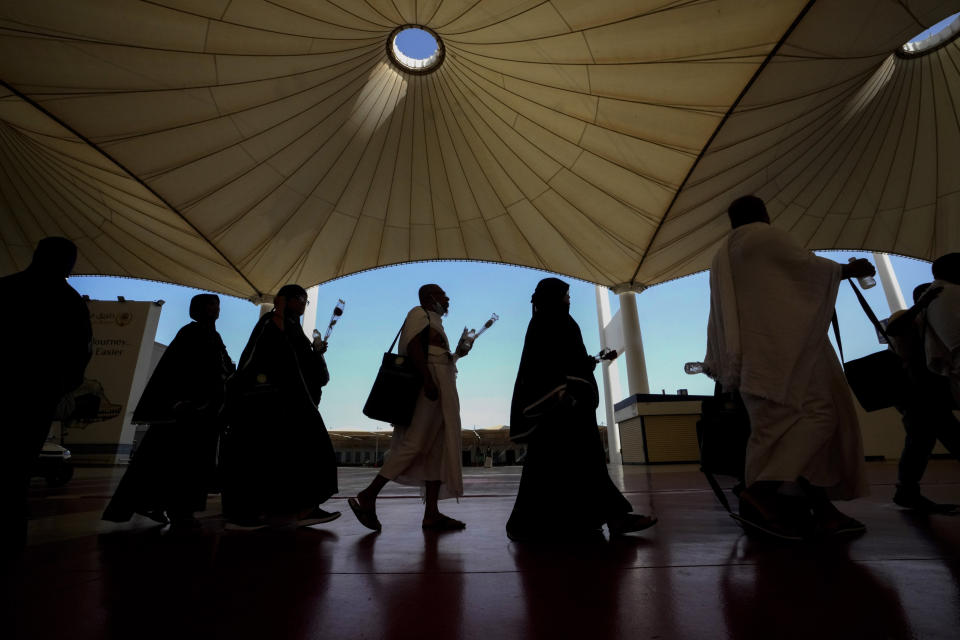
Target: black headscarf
{"points": [[554, 357], [292, 291], [947, 267], [198, 305], [549, 297], [54, 256]]}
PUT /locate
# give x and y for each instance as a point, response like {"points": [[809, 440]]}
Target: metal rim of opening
{"points": [[414, 65], [946, 34]]}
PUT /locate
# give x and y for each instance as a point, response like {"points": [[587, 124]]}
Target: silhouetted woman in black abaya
{"points": [[172, 468], [277, 462], [565, 489]]}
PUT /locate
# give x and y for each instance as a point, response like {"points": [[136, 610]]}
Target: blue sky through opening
{"points": [[940, 26], [673, 319], [416, 43]]}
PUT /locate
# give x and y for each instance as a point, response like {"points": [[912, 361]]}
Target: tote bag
{"points": [[878, 380], [722, 433], [396, 387]]}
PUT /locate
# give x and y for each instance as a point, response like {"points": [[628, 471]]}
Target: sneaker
{"points": [[918, 502], [156, 515], [516, 535], [251, 524], [317, 516], [630, 522]]}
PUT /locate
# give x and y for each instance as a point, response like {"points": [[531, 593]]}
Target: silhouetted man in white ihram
{"points": [[771, 302], [426, 452]]}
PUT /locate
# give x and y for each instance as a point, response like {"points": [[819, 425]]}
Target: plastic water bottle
{"points": [[693, 368], [866, 282], [317, 339], [466, 339]]}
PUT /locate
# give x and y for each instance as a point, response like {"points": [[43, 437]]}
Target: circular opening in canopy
{"points": [[415, 49], [933, 37]]}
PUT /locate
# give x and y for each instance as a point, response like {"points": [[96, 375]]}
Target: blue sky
{"points": [[673, 319], [416, 43], [929, 32]]}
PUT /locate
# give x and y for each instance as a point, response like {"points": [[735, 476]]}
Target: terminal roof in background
{"points": [[236, 145]]}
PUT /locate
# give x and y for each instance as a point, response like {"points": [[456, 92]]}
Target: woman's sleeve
{"points": [[165, 386], [540, 379]]}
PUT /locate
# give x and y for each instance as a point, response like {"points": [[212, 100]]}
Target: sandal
{"points": [[367, 517], [777, 516], [445, 523], [841, 526], [771, 528]]}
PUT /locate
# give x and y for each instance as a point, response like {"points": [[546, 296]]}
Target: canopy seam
{"points": [[706, 147], [131, 175]]}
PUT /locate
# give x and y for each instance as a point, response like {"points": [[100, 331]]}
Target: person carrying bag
{"points": [[426, 443]]}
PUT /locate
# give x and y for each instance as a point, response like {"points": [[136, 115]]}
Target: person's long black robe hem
{"points": [[564, 488], [277, 456], [173, 465]]}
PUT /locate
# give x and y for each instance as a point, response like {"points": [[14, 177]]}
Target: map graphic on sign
{"points": [[89, 404]]}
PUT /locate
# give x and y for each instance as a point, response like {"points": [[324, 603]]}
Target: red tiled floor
{"points": [[692, 576]]}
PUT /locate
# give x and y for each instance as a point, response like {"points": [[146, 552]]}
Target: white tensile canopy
{"points": [[236, 145]]}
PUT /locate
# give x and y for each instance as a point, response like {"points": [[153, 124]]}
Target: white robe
{"points": [[942, 334], [771, 302], [428, 449]]}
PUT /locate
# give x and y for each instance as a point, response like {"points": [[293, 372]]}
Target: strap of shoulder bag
{"points": [[867, 310], [397, 337], [836, 333]]}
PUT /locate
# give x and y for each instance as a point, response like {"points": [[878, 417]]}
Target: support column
{"points": [[633, 343], [611, 376], [889, 282], [309, 320], [265, 308]]}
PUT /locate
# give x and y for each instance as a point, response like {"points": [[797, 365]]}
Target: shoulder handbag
{"points": [[878, 380], [396, 388], [722, 433]]}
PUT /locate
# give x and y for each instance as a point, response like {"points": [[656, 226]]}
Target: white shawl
{"points": [[771, 301], [723, 359], [415, 323]]}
